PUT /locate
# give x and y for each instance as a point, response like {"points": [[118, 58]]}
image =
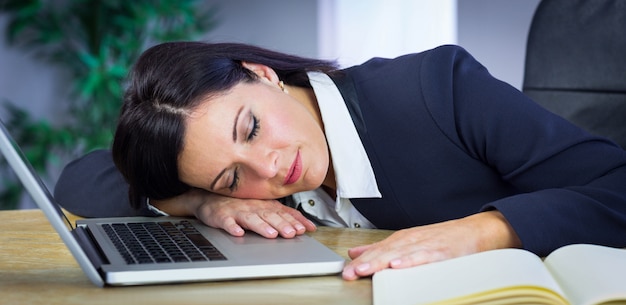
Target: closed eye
{"points": [[254, 130], [233, 185]]}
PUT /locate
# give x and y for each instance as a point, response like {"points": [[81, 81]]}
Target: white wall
{"points": [[353, 31]]}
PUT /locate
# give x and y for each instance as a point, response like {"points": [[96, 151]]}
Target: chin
{"points": [[313, 184]]}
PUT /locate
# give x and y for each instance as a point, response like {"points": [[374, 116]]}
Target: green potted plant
{"points": [[95, 42]]}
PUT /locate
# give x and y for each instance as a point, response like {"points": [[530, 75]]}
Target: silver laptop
{"points": [[145, 250]]}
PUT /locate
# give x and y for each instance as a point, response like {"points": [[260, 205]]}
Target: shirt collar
{"points": [[353, 171]]}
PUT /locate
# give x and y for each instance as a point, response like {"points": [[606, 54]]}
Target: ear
{"points": [[264, 72]]}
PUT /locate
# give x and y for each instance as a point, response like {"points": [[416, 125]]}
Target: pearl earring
{"points": [[281, 84]]}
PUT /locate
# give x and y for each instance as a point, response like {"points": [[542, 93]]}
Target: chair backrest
{"points": [[576, 63]]}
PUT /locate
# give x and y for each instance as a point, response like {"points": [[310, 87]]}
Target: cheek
{"points": [[282, 122], [293, 124], [255, 191]]}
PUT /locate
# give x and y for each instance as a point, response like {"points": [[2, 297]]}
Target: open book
{"points": [[576, 274]]}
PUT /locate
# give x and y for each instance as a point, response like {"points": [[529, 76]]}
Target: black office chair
{"points": [[576, 63]]}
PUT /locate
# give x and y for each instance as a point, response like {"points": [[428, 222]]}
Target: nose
{"points": [[264, 165]]}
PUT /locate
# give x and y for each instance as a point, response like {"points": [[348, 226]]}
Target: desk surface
{"points": [[48, 274]]}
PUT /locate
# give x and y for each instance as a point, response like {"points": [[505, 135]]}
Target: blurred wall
{"points": [[348, 30], [495, 32], [29, 83], [286, 25], [354, 31]]}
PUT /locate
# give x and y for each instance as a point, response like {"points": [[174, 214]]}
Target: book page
{"points": [[590, 274], [493, 271]]}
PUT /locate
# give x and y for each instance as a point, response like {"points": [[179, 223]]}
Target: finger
{"points": [[281, 222], [349, 274], [301, 221], [253, 222], [368, 268], [308, 224], [357, 251], [399, 263], [416, 258], [358, 266], [370, 259], [224, 222], [355, 271], [298, 226], [230, 225]]}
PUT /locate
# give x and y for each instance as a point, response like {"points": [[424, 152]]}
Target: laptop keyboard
{"points": [[161, 242]]}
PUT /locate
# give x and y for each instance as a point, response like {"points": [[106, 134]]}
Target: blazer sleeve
{"points": [[91, 186], [571, 184]]}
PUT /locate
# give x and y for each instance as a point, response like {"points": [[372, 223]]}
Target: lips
{"points": [[294, 171]]}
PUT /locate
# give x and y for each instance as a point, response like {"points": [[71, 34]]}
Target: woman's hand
{"points": [[268, 218], [432, 243]]}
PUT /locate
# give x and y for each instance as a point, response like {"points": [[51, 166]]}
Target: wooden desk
{"points": [[47, 274]]}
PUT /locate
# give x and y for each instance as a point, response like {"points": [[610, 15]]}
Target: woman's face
{"points": [[255, 141]]}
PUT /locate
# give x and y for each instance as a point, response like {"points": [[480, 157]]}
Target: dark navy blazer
{"points": [[446, 140]]}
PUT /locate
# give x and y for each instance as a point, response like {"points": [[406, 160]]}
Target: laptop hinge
{"points": [[92, 250]]}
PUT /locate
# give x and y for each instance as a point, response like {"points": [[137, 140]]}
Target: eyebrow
{"points": [[234, 140], [235, 124]]}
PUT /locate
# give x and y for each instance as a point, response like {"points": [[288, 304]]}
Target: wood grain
{"points": [[36, 268]]}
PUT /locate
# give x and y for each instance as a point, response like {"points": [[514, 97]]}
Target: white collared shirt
{"points": [[353, 172]]}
